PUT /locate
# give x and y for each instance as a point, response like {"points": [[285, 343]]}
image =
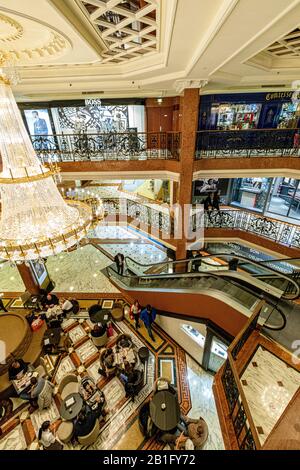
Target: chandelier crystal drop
{"points": [[35, 219]]}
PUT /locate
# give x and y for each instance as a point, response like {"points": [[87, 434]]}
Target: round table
{"points": [[143, 353], [165, 410], [53, 335], [100, 315], [74, 410]]}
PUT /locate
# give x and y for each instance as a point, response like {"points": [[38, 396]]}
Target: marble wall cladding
{"points": [[203, 403], [269, 385], [80, 271], [86, 351], [15, 440], [10, 279]]}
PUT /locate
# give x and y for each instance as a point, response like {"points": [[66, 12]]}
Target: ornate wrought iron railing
{"points": [[107, 146], [158, 221], [275, 230], [239, 412], [247, 143]]}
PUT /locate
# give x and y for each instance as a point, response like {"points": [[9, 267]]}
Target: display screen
{"points": [[39, 271]]}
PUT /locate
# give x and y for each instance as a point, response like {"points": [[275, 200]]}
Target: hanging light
{"points": [[35, 219]]}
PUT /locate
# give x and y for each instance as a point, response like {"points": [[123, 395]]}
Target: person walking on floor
{"points": [[119, 260], [135, 311], [148, 316]]}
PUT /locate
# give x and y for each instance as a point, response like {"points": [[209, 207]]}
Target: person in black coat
{"points": [[119, 260], [17, 367]]}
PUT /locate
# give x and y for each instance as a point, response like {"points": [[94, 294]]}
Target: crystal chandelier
{"points": [[35, 219]]}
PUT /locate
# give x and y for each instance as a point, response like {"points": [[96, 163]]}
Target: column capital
{"points": [[181, 85]]}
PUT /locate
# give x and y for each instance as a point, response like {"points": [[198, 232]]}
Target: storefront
{"points": [[272, 197], [84, 116], [249, 111]]}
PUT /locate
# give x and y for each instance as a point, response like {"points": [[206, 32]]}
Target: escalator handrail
{"points": [[216, 276], [239, 257]]}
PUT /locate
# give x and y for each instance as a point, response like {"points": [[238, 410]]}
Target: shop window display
{"points": [[237, 116], [285, 198], [250, 193]]}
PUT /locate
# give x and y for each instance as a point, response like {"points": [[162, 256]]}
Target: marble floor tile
{"points": [[77, 334], [86, 351], [10, 279], [203, 403], [80, 271], [144, 253], [38, 417], [65, 367], [15, 440], [269, 385]]}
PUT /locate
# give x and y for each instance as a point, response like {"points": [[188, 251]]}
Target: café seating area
{"points": [[79, 374]]}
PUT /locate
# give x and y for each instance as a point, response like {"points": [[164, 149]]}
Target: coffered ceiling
{"points": [[149, 47]]}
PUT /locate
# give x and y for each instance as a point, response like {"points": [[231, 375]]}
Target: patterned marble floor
{"points": [[269, 385], [80, 271], [144, 253], [114, 232], [120, 430], [10, 279]]}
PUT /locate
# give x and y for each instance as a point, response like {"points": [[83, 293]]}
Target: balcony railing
{"points": [[107, 146], [243, 425], [246, 143], [275, 230]]}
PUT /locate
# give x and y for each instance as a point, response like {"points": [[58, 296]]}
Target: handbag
{"points": [[110, 331], [37, 324]]}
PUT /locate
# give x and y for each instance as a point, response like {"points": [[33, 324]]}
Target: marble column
{"points": [[190, 112], [28, 279]]}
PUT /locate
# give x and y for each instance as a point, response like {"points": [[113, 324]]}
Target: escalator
{"points": [[228, 296], [249, 273]]}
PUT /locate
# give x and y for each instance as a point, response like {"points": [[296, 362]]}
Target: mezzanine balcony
{"points": [[250, 143], [99, 147]]}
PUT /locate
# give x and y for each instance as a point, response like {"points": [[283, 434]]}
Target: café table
{"points": [[51, 339], [53, 335], [102, 315], [70, 412], [165, 410], [123, 355], [20, 385]]}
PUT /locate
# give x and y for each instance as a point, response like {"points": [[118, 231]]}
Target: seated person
{"points": [[94, 397], [108, 362], [180, 442], [124, 342], [98, 330], [17, 368], [67, 307], [130, 379], [84, 423], [50, 301], [109, 359], [36, 386]]}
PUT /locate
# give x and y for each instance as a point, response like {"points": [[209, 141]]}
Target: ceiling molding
{"points": [[70, 12], [181, 85]]}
